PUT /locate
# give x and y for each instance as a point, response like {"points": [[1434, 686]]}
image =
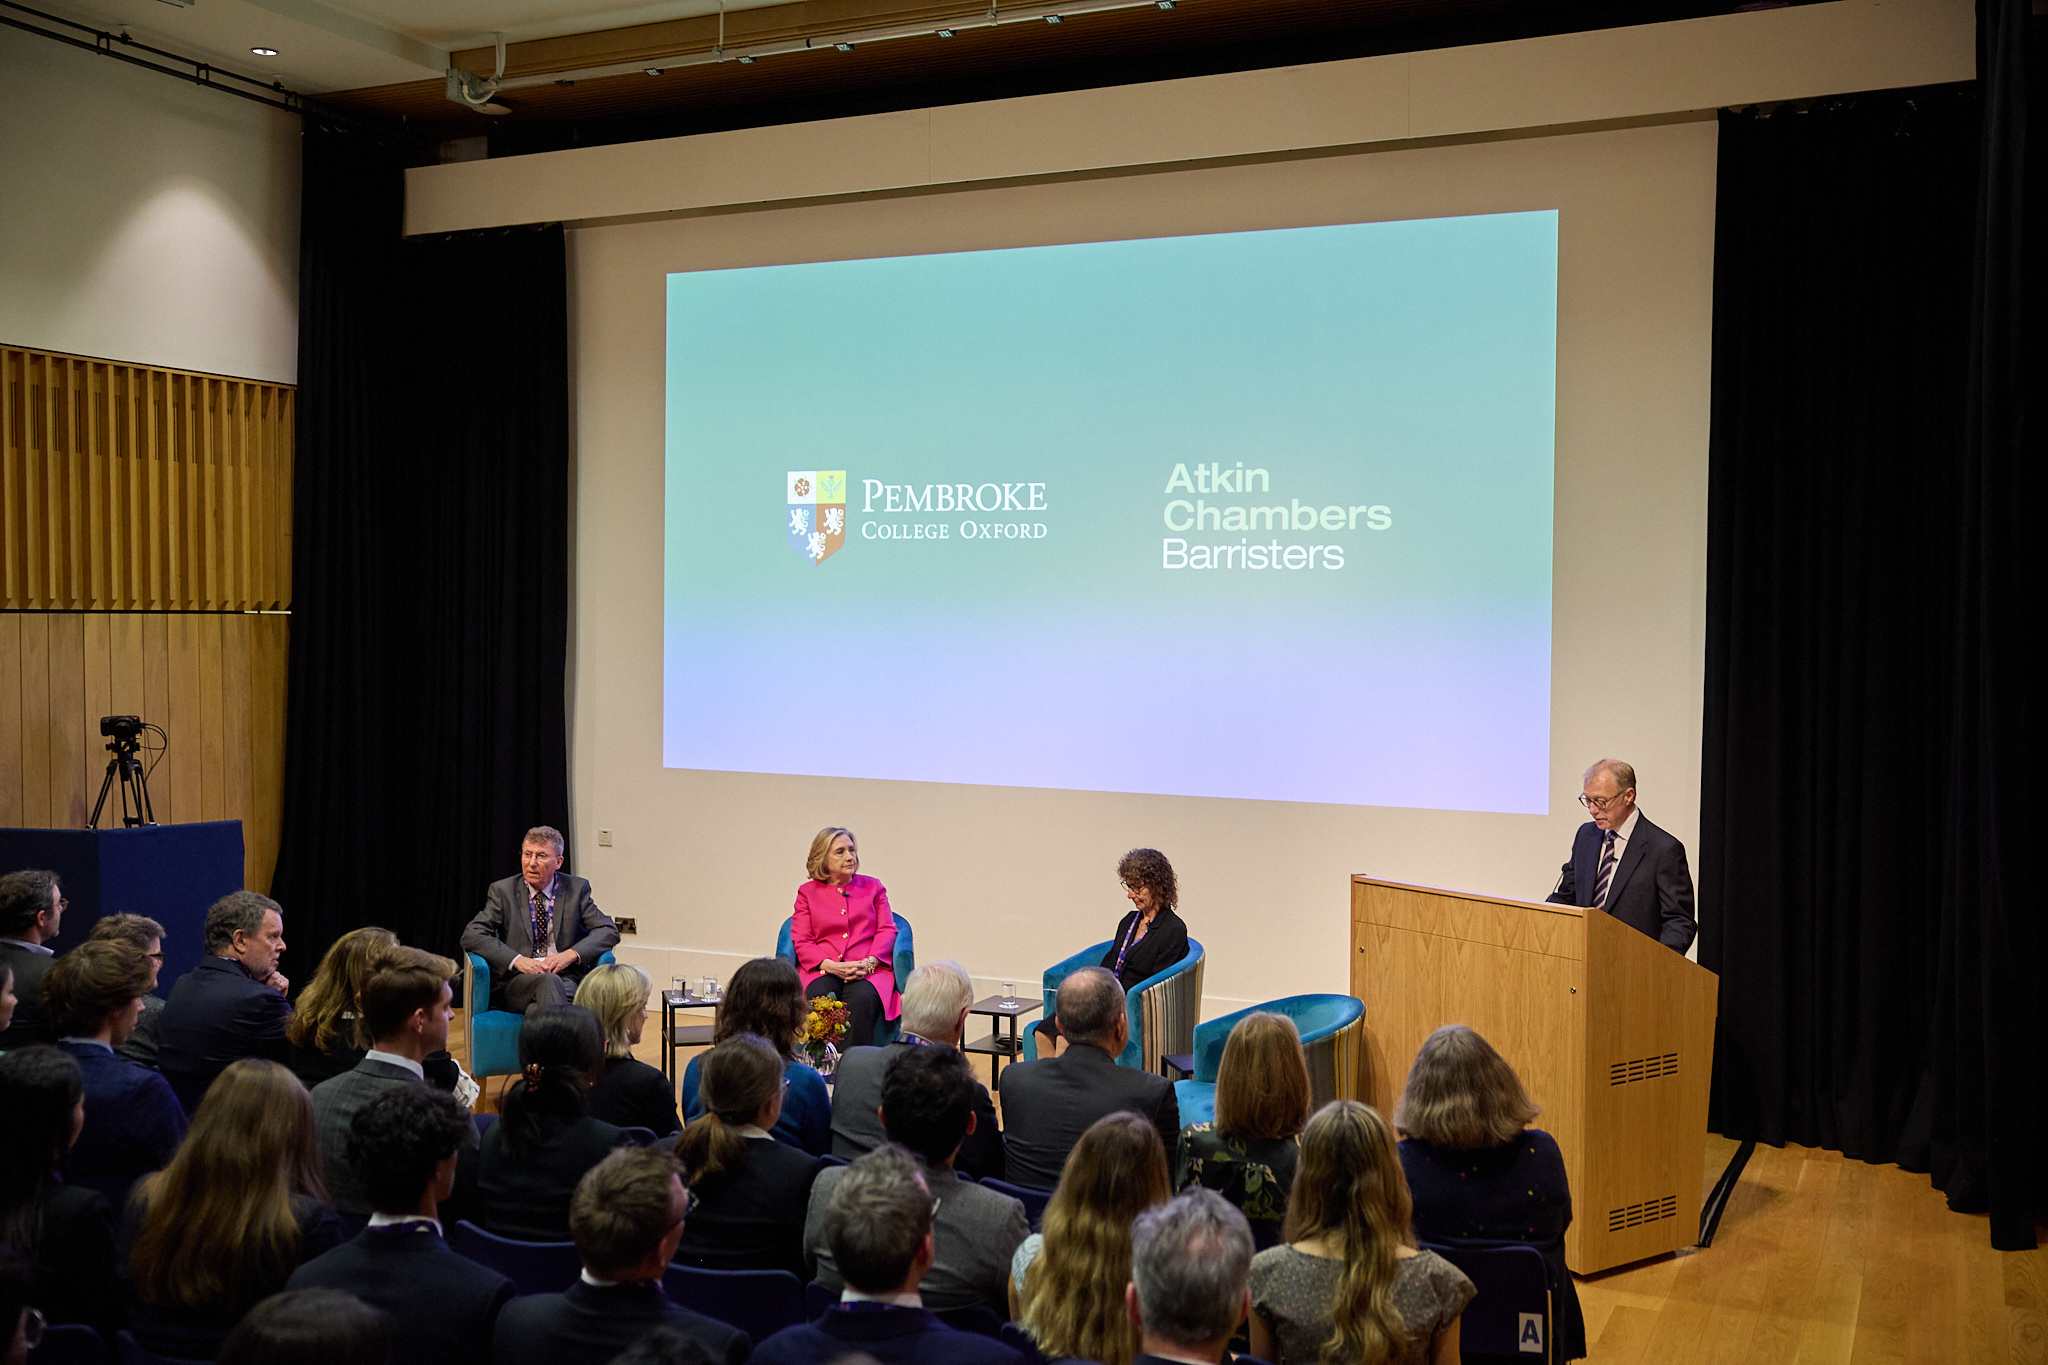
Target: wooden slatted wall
{"points": [[145, 518]]}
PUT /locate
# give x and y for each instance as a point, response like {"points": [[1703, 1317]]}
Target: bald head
{"points": [[1089, 1004]]}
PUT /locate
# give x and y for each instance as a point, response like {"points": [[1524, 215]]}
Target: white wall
{"points": [[144, 219]]}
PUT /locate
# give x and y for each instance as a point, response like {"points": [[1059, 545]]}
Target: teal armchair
{"points": [[491, 1037], [903, 962], [1332, 1029], [1162, 1008]]}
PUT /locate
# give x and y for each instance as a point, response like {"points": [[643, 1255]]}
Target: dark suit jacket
{"points": [[217, 1014], [1652, 886], [585, 1325], [857, 1094], [443, 1306], [141, 1044], [633, 1094], [525, 1194], [133, 1123], [503, 929], [75, 1276], [889, 1334], [1049, 1103], [754, 1219], [335, 1105], [1164, 944], [31, 1023]]}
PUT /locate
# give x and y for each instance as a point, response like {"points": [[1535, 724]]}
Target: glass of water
{"points": [[1009, 992], [708, 988]]}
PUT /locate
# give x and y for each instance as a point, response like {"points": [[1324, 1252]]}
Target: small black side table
{"points": [[676, 1037], [999, 1046], [1183, 1062]]}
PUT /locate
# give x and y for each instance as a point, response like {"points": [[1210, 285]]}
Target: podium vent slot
{"points": [[1643, 1069], [1635, 1215]]}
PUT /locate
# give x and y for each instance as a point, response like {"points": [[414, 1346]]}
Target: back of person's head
{"points": [[1462, 1094], [23, 896], [765, 997], [238, 912], [665, 1346], [1350, 1192], [927, 1101], [217, 1226], [40, 1090], [1262, 1088], [560, 1047], [309, 1327], [140, 930], [1190, 1258], [734, 1080], [1087, 1005], [92, 981], [17, 1283], [330, 1010], [404, 982], [623, 1208], [397, 1140], [878, 1217], [616, 992], [934, 997], [1074, 1291]]}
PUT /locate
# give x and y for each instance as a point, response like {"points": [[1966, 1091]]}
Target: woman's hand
{"points": [[845, 971]]}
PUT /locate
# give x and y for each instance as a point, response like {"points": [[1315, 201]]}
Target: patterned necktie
{"points": [[542, 924], [1606, 871]]}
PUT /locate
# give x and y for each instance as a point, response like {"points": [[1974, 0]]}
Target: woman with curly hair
{"points": [[1148, 940], [1067, 1284], [326, 1031], [1350, 1287], [766, 998]]}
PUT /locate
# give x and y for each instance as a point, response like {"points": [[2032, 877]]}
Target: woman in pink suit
{"points": [[845, 936]]}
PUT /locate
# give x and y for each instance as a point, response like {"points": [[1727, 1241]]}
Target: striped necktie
{"points": [[543, 927], [1606, 871]]}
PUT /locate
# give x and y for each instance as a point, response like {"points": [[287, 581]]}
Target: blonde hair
{"points": [[1349, 1191], [331, 1010], [1624, 776], [822, 845], [1074, 1292], [1262, 1082], [216, 1226], [1462, 1094], [615, 992]]}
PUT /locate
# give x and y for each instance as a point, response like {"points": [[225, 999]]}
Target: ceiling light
{"points": [[945, 33], [264, 51], [1166, 4], [746, 61], [656, 70], [844, 47], [1053, 19]]}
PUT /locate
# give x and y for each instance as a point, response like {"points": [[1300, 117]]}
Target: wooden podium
{"points": [[1610, 1031]]}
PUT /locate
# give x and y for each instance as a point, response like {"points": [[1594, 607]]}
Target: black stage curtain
{"points": [[1868, 779], [425, 725]]}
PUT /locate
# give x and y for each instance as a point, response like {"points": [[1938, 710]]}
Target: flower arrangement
{"points": [[825, 1027]]}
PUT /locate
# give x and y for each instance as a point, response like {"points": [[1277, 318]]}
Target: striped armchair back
{"points": [[1163, 1012]]}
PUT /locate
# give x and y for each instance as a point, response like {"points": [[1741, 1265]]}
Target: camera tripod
{"points": [[125, 768]]}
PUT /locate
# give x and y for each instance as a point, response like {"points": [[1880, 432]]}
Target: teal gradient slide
{"points": [[1263, 515]]}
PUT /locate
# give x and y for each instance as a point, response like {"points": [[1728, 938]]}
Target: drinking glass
{"points": [[1009, 992]]}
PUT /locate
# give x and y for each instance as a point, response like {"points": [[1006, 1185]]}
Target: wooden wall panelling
{"points": [[68, 807], [10, 722], [36, 810]]}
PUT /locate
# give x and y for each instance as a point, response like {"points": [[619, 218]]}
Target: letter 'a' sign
{"points": [[817, 512], [1530, 1339]]}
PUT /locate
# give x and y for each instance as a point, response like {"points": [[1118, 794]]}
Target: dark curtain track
{"points": [[1869, 780], [425, 723]]}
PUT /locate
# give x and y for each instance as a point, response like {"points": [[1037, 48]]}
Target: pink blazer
{"points": [[846, 928]]}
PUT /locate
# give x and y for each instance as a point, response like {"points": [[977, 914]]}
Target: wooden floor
{"points": [[1818, 1259]]}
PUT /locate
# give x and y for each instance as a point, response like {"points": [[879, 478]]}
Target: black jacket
{"points": [[442, 1305], [1164, 944], [1652, 887], [525, 1194], [31, 1022], [754, 1219], [1049, 1103], [586, 1325], [633, 1094], [217, 1014]]}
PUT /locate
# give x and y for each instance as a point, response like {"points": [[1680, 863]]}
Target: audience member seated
{"points": [[1247, 1153], [533, 1157], [31, 913], [235, 1213], [879, 1226], [1480, 1176], [748, 1192], [326, 1032], [232, 1004], [1067, 1283], [631, 1093], [146, 936], [406, 1141], [8, 1000], [1148, 940], [928, 1108], [404, 1010], [1349, 1284], [627, 1218], [312, 1327], [765, 998], [1190, 1259], [936, 999], [133, 1123], [21, 1331], [66, 1232], [1049, 1103], [664, 1346]]}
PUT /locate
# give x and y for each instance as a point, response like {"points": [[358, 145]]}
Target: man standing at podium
{"points": [[1623, 864]]}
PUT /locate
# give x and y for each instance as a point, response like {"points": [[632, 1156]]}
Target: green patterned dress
{"points": [[1255, 1174]]}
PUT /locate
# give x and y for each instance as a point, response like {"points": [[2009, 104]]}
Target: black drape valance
{"points": [[1870, 797], [425, 724]]}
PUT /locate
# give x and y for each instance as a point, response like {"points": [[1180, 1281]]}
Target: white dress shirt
{"points": [[393, 1059]]}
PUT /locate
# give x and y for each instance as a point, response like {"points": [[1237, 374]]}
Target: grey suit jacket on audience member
{"points": [[857, 1127], [335, 1103], [975, 1234]]}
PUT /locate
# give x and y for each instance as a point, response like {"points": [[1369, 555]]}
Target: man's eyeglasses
{"points": [[1599, 802]]}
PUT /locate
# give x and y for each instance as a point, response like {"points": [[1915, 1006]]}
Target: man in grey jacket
{"points": [[936, 999], [928, 1107], [540, 930]]}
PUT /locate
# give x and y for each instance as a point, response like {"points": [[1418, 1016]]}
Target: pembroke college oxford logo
{"points": [[817, 513]]}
